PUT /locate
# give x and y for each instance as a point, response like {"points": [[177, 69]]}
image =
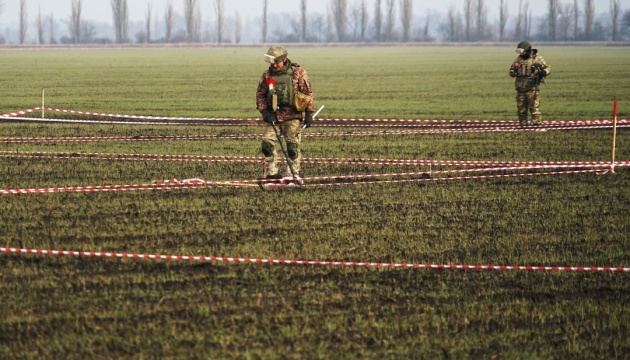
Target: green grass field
{"points": [[80, 307]]}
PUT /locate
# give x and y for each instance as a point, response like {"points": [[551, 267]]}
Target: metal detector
{"points": [[284, 152]]}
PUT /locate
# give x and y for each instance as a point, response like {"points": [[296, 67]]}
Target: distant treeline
{"points": [[361, 21]]}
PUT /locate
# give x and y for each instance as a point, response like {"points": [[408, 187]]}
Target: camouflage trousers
{"points": [[528, 102], [291, 131]]}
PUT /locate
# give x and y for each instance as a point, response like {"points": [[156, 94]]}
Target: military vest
{"points": [[523, 69], [283, 87]]}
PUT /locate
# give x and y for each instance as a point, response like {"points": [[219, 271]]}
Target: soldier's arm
{"points": [[544, 65], [262, 93], [304, 86]]}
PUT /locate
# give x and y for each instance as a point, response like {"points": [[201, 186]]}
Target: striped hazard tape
{"points": [[480, 125], [330, 161], [345, 121], [368, 179], [19, 113], [84, 139], [94, 254]]}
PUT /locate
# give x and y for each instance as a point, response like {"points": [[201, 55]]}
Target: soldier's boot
{"points": [[271, 168], [295, 164], [522, 116], [537, 118]]}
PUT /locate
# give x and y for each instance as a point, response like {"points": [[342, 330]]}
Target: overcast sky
{"points": [[100, 10]]}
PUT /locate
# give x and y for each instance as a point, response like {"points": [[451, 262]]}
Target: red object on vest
{"points": [[271, 81]]}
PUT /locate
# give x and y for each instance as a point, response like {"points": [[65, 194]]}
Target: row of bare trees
{"points": [[564, 21], [570, 20]]}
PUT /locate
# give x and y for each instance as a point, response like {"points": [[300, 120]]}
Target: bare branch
{"points": [[480, 13], [192, 18], [40, 27], [304, 20], [406, 15], [576, 18], [504, 14], [148, 23], [120, 14], [339, 10], [589, 18], [75, 21], [552, 19], [389, 21], [51, 25], [169, 22], [264, 20], [23, 21], [468, 18], [219, 10], [615, 12], [378, 21], [364, 19]]}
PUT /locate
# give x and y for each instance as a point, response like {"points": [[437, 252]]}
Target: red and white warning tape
{"points": [[144, 117], [174, 184], [219, 122], [82, 139], [317, 263], [325, 122], [128, 157], [18, 113], [329, 161], [86, 139]]}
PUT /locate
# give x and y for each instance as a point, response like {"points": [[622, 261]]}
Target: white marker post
{"points": [[43, 97], [614, 138]]}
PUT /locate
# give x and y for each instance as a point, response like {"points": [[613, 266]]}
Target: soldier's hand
{"points": [[269, 117], [536, 68], [308, 119], [513, 73]]}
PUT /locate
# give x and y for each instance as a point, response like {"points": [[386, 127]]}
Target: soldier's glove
{"points": [[308, 119], [538, 70], [513, 73], [269, 117]]}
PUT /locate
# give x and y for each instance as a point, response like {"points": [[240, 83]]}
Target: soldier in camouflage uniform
{"points": [[284, 85], [529, 69]]}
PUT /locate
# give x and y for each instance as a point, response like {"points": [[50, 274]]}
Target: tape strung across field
{"points": [[369, 179], [438, 126], [314, 262], [330, 161], [575, 167], [84, 139]]}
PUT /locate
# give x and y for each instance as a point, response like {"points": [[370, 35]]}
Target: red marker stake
{"points": [[614, 138], [274, 98]]}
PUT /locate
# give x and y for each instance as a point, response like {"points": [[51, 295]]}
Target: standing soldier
{"points": [[529, 69], [284, 93]]}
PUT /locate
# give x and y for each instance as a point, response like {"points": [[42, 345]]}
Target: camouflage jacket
{"points": [[526, 75], [300, 83]]}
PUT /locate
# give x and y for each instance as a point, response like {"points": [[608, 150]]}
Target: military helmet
{"points": [[523, 47], [276, 53]]}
